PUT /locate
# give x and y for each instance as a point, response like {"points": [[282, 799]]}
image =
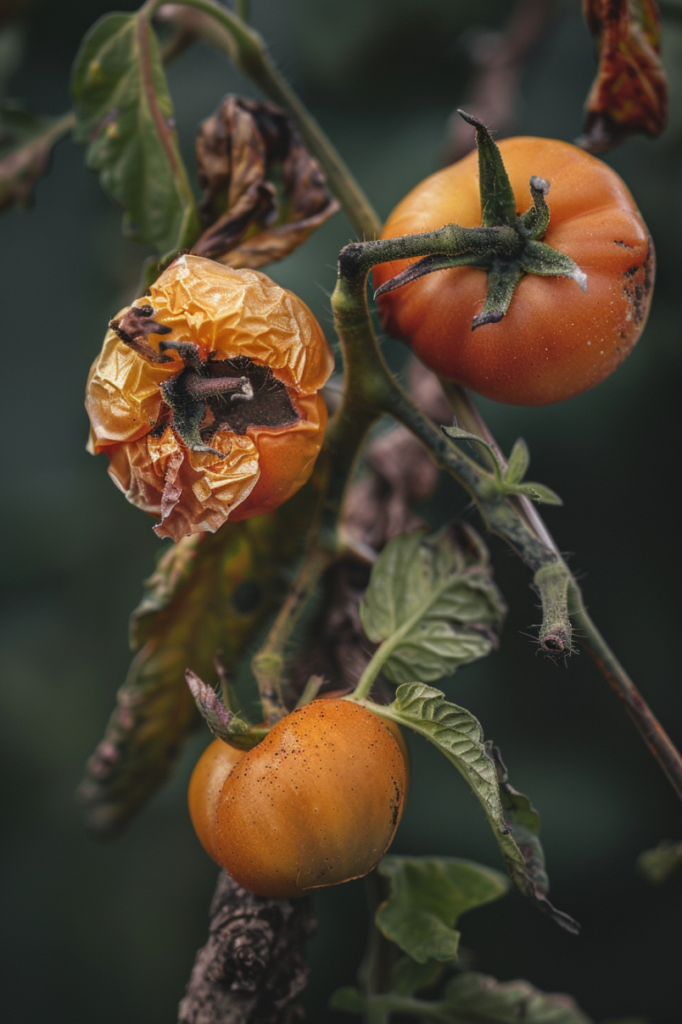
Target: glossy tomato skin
{"points": [[554, 341], [316, 803], [205, 786]]}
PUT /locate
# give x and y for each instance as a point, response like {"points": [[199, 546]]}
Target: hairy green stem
{"points": [[368, 376], [250, 54], [267, 664], [651, 730]]}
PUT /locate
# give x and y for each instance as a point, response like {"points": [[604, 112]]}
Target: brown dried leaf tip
{"points": [[263, 193], [630, 93]]}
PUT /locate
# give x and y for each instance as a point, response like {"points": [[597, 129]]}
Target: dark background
{"points": [[105, 933]]}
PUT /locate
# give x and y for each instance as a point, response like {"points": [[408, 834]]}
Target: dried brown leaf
{"points": [[263, 193], [630, 93]]}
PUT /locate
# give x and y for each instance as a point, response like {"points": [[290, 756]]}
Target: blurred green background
{"points": [[105, 933]]}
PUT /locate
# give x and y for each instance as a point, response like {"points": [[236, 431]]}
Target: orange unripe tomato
{"points": [[203, 796], [554, 341], [316, 803]]}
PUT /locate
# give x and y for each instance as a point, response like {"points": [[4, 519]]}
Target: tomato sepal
{"points": [[507, 245], [223, 723]]}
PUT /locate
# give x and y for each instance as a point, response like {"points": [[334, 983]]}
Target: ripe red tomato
{"points": [[554, 341], [316, 803]]}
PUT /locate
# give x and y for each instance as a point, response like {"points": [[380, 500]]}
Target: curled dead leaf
{"points": [[263, 193], [630, 93]]}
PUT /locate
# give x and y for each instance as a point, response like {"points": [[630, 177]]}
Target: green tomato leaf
{"points": [[428, 895], [408, 976], [125, 115], [538, 492], [458, 735], [432, 604], [658, 864], [518, 464], [470, 998], [26, 144], [348, 999], [477, 997], [208, 594]]}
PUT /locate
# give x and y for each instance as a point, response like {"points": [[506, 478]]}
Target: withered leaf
{"points": [[208, 593], [630, 93], [26, 144], [263, 193]]}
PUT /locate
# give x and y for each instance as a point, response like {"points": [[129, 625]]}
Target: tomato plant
{"points": [[554, 341], [307, 570], [220, 417]]}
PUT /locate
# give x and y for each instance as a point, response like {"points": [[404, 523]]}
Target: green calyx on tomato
{"points": [[506, 245]]}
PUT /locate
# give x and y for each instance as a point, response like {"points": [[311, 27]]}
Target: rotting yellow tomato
{"points": [[316, 803], [554, 341], [205, 396]]}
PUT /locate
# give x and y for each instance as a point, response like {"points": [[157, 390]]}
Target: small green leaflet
{"points": [[432, 604], [658, 864], [125, 115], [458, 735], [506, 1003], [509, 480], [428, 895], [470, 997]]}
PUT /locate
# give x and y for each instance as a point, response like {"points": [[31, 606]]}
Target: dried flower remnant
{"points": [[205, 396], [630, 93], [263, 193]]}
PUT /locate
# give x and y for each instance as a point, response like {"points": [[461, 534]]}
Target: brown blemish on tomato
{"points": [[638, 285]]}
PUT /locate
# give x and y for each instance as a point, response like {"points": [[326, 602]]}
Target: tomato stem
{"points": [[511, 517], [267, 664], [566, 590]]}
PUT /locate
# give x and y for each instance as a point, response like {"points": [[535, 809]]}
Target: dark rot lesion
{"points": [[134, 328], [638, 283], [210, 395]]}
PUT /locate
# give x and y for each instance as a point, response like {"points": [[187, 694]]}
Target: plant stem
{"points": [[469, 417], [650, 729], [268, 663], [374, 975], [648, 726], [512, 518], [249, 52]]}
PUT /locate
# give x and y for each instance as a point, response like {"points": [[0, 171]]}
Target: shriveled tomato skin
{"points": [[316, 803], [554, 341], [226, 314]]}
